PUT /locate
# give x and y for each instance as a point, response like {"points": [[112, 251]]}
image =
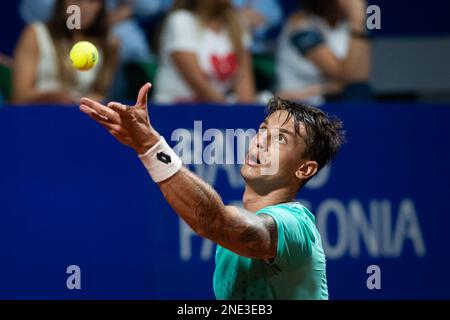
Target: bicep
{"points": [[310, 43], [247, 234]]}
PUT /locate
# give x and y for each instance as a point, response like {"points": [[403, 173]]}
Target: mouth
{"points": [[253, 160]]}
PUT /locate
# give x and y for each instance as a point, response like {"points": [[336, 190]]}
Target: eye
{"points": [[282, 139]]}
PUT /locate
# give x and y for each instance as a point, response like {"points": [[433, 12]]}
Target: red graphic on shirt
{"points": [[224, 66]]}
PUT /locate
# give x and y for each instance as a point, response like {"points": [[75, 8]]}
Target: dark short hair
{"points": [[324, 133]]}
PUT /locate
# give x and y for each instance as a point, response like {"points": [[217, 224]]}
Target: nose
{"points": [[261, 142]]}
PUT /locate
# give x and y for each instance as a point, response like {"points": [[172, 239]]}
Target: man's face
{"points": [[275, 153]]}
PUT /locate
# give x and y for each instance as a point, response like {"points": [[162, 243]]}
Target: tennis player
{"points": [[270, 249]]}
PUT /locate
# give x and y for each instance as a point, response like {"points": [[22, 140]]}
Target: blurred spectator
{"points": [[36, 10], [204, 54], [122, 16], [259, 16], [42, 70], [324, 50]]}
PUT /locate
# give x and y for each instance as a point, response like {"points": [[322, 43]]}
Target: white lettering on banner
{"points": [[375, 233], [221, 146], [325, 209], [73, 281], [370, 227], [186, 236], [374, 280], [374, 20], [367, 228], [209, 174], [408, 227], [355, 230], [73, 22]]}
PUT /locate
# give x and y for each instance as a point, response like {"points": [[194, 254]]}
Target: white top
{"points": [[47, 78], [184, 32], [294, 70]]}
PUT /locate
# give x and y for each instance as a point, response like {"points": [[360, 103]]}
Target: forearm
{"points": [[38, 97], [193, 199], [302, 93], [358, 61], [206, 93], [245, 86], [122, 13], [195, 202], [189, 68], [203, 90]]}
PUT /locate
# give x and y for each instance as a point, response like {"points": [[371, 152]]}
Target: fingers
{"points": [[100, 109], [98, 118], [143, 94], [118, 107]]}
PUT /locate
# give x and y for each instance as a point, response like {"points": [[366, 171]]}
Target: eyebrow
{"points": [[286, 131], [265, 122]]}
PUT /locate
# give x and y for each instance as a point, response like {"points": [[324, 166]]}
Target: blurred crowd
{"points": [[194, 51]]}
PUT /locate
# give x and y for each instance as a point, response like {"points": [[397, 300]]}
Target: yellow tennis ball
{"points": [[84, 55]]}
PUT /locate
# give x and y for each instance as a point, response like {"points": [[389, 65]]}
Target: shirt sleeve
{"points": [[306, 40], [294, 239], [181, 32]]}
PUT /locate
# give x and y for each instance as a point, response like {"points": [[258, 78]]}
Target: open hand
{"points": [[129, 125]]}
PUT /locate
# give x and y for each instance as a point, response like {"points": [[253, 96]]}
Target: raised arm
{"points": [[234, 228], [355, 67], [195, 201]]}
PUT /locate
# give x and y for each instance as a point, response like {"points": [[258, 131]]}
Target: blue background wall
{"points": [[71, 195]]}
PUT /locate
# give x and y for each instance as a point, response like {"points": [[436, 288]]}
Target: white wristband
{"points": [[161, 161]]}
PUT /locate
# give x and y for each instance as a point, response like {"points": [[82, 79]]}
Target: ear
{"points": [[307, 170]]}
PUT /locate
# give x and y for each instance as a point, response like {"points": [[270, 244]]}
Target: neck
{"points": [[253, 201], [215, 25]]}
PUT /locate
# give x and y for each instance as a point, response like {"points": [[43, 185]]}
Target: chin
{"points": [[250, 173]]}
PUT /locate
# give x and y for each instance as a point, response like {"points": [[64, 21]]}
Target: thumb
{"points": [[143, 94]]}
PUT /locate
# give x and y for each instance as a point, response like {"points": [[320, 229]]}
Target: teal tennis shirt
{"points": [[297, 272]]}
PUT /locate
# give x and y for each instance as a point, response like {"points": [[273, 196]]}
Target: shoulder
{"points": [[30, 34], [181, 17], [304, 34], [295, 232], [299, 20], [288, 214], [32, 30], [283, 207]]}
